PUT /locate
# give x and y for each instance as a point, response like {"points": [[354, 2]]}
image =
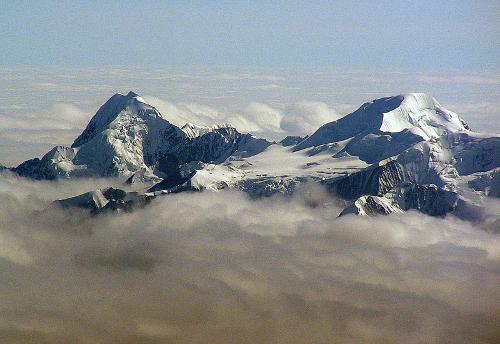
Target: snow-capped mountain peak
{"points": [[118, 105], [418, 113], [419, 110], [132, 94], [127, 135]]}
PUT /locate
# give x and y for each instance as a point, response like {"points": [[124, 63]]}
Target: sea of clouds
{"points": [[217, 267]]}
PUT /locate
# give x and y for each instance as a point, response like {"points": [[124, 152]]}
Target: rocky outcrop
{"points": [[374, 180], [428, 199]]}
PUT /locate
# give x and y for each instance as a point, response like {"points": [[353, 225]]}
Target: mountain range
{"points": [[391, 155]]}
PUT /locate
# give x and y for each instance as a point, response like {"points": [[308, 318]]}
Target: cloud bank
{"points": [[301, 118], [305, 117], [220, 268], [58, 116]]}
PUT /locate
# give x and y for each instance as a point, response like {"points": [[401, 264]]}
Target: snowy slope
{"points": [[385, 127], [124, 136]]}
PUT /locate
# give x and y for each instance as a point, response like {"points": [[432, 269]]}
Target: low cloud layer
{"points": [[305, 117], [301, 118], [25, 134], [220, 268], [58, 116]]}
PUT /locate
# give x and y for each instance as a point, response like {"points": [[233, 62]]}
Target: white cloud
{"points": [[305, 117], [28, 134], [57, 116], [180, 114], [301, 118], [218, 267], [257, 118]]}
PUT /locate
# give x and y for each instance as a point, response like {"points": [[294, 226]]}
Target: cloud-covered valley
{"points": [[219, 267]]}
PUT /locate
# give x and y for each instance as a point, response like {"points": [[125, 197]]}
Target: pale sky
{"points": [[426, 35]]}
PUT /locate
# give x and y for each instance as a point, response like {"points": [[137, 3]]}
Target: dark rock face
{"points": [[215, 146], [488, 182], [374, 180], [174, 183], [218, 145], [428, 199], [168, 165], [112, 193], [373, 147], [31, 169], [291, 140], [106, 200], [125, 205], [476, 155]]}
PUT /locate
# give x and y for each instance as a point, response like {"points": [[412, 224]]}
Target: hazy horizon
{"points": [[425, 36]]}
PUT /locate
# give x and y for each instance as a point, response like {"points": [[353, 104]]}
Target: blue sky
{"points": [[355, 35]]}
